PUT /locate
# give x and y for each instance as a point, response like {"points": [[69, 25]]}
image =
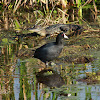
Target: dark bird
{"points": [[50, 78], [57, 28], [51, 50]]}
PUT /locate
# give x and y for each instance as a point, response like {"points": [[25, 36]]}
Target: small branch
{"points": [[16, 6], [93, 30], [88, 1], [91, 36]]}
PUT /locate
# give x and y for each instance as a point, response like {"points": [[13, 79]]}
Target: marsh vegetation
{"points": [[74, 75]]}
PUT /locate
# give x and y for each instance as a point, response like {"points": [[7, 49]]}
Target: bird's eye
{"points": [[62, 34]]}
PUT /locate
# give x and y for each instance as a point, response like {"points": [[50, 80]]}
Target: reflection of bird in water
{"points": [[50, 78], [51, 50], [57, 28]]}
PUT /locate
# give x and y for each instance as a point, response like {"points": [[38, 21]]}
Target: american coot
{"points": [[51, 50], [57, 28]]}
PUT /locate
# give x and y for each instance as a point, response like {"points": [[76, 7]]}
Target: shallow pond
{"points": [[23, 77]]}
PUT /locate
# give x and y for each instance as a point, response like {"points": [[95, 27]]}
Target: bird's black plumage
{"points": [[51, 50]]}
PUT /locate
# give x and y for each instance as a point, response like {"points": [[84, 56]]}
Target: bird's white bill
{"points": [[65, 36]]}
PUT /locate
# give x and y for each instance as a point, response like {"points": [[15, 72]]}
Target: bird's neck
{"points": [[59, 42]]}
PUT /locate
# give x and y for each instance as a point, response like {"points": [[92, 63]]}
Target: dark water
{"points": [[23, 77]]}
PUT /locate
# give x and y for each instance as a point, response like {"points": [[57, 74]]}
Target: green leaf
{"points": [[17, 24], [5, 40], [55, 11]]}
